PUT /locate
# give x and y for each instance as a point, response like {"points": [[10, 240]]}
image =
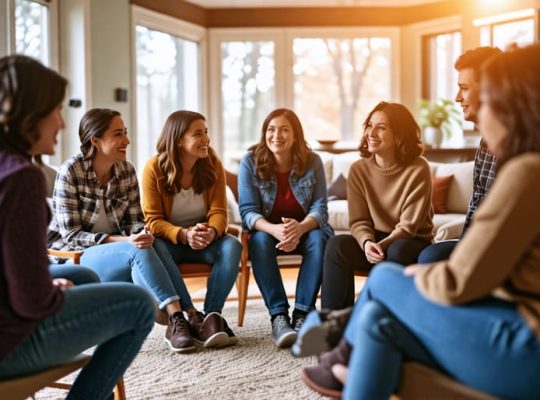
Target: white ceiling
{"points": [[307, 3]]}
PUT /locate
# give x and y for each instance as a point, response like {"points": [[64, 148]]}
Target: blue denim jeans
{"points": [[224, 256], [485, 344], [116, 317], [263, 253], [124, 262], [77, 274]]}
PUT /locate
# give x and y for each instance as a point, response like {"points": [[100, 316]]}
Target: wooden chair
{"points": [[21, 387]]}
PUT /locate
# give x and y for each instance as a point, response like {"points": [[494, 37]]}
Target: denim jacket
{"points": [[257, 196]]}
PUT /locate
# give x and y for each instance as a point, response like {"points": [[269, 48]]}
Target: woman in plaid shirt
{"points": [[97, 209]]}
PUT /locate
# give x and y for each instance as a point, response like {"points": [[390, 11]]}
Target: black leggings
{"points": [[343, 256]]}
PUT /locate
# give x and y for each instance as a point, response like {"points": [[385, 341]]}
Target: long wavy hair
{"points": [[169, 154], [405, 129], [265, 161], [29, 92], [512, 83]]}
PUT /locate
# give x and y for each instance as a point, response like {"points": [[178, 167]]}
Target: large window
{"points": [[168, 77], [331, 81], [512, 29]]}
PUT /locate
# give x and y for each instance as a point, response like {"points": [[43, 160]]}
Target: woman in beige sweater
{"points": [[476, 316], [389, 198]]}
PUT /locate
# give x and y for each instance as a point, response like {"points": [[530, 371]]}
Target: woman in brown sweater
{"points": [[476, 316], [390, 212], [185, 207]]}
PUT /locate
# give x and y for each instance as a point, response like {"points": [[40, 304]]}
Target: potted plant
{"points": [[436, 119]]}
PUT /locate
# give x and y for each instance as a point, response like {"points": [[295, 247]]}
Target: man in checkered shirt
{"points": [[468, 96]]}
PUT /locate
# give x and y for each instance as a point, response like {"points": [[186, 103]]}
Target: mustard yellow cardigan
{"points": [[157, 203]]}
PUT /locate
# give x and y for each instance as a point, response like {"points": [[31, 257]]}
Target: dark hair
{"points": [[405, 129], [94, 123], [204, 173], [29, 91], [475, 58], [265, 161], [512, 83]]}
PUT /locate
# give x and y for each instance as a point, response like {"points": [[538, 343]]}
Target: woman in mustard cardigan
{"points": [[185, 207]]}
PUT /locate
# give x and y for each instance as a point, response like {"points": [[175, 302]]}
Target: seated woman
{"points": [[185, 206], [390, 212], [282, 199], [97, 209], [476, 316], [45, 322]]}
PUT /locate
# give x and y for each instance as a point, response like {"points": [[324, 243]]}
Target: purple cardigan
{"points": [[27, 294]]}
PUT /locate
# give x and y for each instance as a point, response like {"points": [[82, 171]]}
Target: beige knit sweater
{"points": [[500, 253], [395, 200]]}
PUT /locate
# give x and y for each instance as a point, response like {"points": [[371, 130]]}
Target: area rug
{"points": [[253, 369]]}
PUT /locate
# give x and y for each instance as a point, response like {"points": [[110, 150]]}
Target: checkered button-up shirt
{"points": [[485, 168], [76, 198]]}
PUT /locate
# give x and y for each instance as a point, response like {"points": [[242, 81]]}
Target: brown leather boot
{"points": [[208, 331], [177, 335]]}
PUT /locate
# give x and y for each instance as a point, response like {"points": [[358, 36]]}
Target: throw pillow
{"points": [[338, 189], [439, 193]]}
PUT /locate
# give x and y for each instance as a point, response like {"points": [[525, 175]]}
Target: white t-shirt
{"points": [[188, 208], [103, 223]]}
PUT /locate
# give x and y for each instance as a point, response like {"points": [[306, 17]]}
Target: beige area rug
{"points": [[253, 369]]}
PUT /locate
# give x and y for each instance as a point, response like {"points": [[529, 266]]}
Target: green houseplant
{"points": [[436, 119]]}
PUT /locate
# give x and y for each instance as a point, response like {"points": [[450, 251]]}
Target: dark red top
{"points": [[285, 204], [27, 294]]}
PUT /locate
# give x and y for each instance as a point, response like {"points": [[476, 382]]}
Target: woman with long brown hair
{"points": [[186, 209], [282, 196]]}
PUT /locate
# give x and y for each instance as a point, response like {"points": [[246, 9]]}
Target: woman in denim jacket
{"points": [[282, 193]]}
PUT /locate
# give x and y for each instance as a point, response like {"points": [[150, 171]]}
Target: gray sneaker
{"points": [[282, 332]]}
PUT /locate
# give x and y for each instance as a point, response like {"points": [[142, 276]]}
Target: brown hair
{"points": [[406, 132], [265, 161], [512, 82], [204, 173], [94, 123], [29, 91], [475, 58]]}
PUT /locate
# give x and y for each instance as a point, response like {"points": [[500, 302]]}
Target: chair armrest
{"points": [[234, 230], [74, 255], [450, 230]]}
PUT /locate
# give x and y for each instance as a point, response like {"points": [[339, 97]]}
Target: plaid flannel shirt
{"points": [[485, 168], [75, 204]]}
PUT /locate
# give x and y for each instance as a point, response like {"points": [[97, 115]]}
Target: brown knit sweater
{"points": [[500, 253], [395, 200]]}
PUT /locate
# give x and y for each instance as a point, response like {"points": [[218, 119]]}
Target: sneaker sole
{"points": [[286, 340], [334, 394], [312, 342], [179, 349], [219, 339]]}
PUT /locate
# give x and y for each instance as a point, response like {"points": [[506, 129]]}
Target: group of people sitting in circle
{"points": [[469, 308]]}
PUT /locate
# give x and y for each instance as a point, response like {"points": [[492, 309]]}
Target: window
{"points": [[331, 81], [168, 76], [502, 31]]}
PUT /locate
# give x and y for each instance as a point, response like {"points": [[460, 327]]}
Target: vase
{"points": [[433, 136]]}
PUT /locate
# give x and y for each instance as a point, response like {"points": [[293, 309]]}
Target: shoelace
{"points": [[280, 322], [298, 323], [179, 324]]}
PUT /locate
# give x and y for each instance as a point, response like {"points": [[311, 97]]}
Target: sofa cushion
{"points": [[439, 192], [460, 190], [338, 215], [342, 163], [338, 189]]}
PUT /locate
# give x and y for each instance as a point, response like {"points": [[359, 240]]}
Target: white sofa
{"points": [[447, 226]]}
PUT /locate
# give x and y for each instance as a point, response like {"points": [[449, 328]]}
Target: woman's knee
{"points": [[262, 243], [372, 319]]}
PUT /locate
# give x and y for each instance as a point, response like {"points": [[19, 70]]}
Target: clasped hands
{"points": [[200, 236], [288, 233], [143, 240], [374, 252]]}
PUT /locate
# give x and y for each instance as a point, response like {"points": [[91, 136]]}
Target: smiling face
{"points": [[113, 143], [381, 140], [468, 95], [279, 136], [48, 128], [195, 142]]}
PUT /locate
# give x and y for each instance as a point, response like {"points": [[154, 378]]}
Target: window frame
{"points": [[175, 27]]}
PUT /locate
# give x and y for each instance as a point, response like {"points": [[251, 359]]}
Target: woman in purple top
{"points": [[46, 322]]}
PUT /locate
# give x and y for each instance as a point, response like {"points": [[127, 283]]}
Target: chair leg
{"points": [[242, 294], [120, 390]]}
